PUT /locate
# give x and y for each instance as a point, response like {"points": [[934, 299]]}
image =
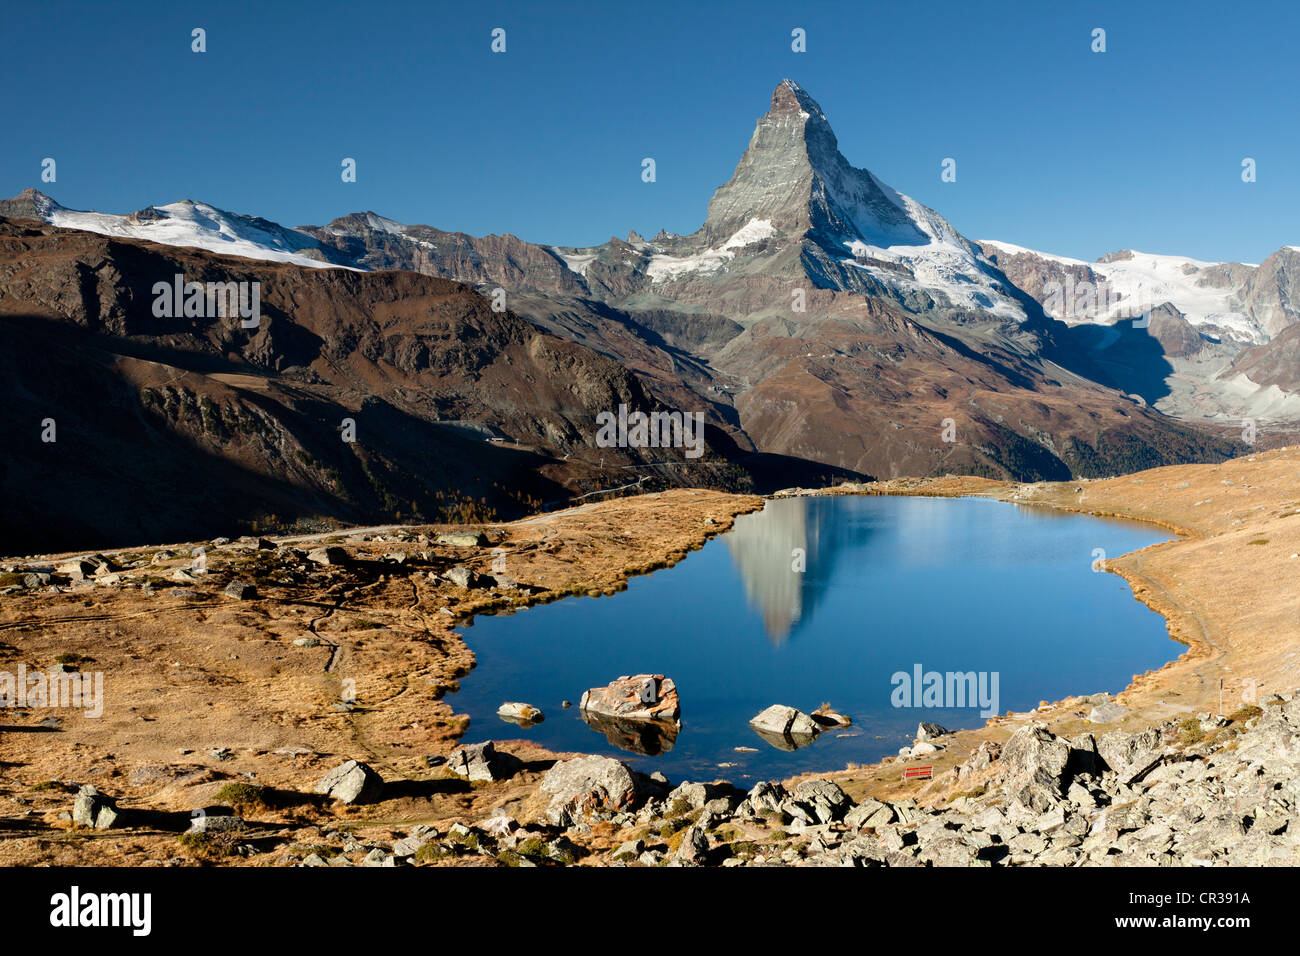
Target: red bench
{"points": [[919, 773]]}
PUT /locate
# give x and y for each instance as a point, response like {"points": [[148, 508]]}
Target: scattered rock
{"points": [[482, 762], [201, 822], [462, 539], [351, 782], [928, 731], [240, 590], [93, 809], [330, 555], [1107, 713]]}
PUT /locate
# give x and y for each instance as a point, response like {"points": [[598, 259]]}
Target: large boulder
{"points": [[640, 697], [1035, 761], [351, 782], [1107, 713], [869, 813], [824, 798], [482, 762], [589, 788], [1131, 756]]}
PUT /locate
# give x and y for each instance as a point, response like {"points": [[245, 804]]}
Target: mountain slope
{"points": [[178, 427]]}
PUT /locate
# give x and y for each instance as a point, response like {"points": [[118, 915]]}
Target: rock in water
{"points": [[351, 782], [642, 697], [519, 713], [785, 727]]}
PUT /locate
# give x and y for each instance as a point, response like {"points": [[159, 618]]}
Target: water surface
{"points": [[889, 585]]}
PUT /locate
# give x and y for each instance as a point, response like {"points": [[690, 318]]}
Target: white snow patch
{"points": [[200, 226], [663, 267], [1150, 280]]}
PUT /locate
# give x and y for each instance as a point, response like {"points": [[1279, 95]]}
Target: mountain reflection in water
{"points": [[765, 547]]}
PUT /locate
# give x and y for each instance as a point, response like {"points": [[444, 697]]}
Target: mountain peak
{"points": [[793, 175], [28, 204]]}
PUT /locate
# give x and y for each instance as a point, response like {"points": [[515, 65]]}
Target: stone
{"points": [[329, 555], [694, 848], [643, 697], [462, 539], [78, 570], [351, 782], [869, 813], [93, 809], [483, 762], [1035, 761], [785, 727], [216, 823], [1107, 713], [928, 731], [765, 797], [306, 641], [826, 800], [409, 845], [462, 577], [1130, 756], [520, 713], [240, 590], [589, 787]]}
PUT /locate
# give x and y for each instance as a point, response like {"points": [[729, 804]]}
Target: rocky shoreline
{"points": [[1203, 791]]}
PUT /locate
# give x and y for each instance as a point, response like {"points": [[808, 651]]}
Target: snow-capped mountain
{"points": [[185, 223], [1127, 284], [796, 206]]}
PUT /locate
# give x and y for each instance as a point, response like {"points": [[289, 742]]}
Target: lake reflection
{"points": [[888, 584]]}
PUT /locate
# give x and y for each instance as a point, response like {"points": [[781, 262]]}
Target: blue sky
{"points": [[1057, 147]]}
